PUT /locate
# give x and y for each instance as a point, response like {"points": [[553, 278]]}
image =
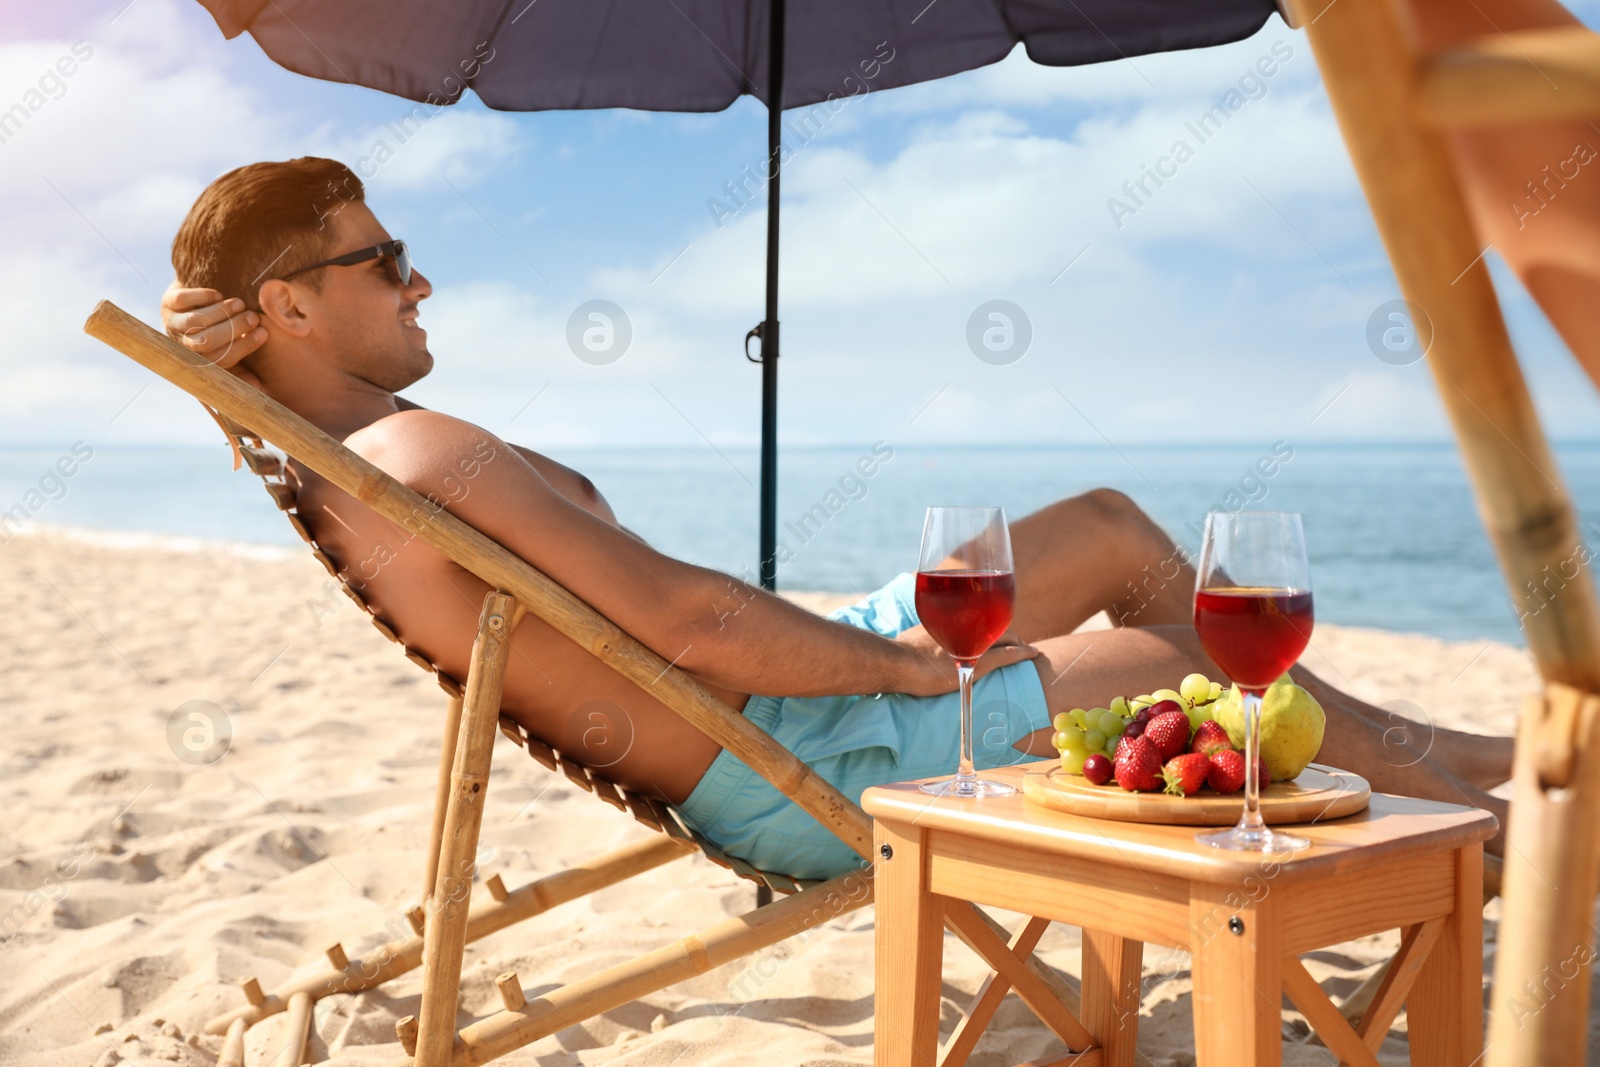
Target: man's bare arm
{"points": [[719, 628]]}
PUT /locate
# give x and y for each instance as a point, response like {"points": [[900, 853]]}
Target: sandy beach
{"points": [[137, 890]]}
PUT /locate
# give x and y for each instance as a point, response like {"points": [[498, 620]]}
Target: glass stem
{"points": [[1251, 819], [964, 771]]}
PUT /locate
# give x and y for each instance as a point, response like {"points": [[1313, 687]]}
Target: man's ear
{"points": [[282, 308]]}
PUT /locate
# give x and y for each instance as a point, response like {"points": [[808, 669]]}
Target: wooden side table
{"points": [[1246, 919]]}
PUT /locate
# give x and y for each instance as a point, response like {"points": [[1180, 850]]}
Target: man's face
{"points": [[367, 319]]}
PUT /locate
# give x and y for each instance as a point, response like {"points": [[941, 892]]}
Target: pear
{"points": [[1291, 726]]}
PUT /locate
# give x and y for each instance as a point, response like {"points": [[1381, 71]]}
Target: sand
{"points": [[137, 890]]}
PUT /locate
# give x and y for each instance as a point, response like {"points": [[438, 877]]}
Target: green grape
{"points": [[1061, 722], [1072, 762], [1195, 688], [1112, 735], [1216, 690], [1059, 740], [1166, 694], [1080, 717], [1071, 737], [1119, 706], [1138, 704], [1095, 740], [1110, 723]]}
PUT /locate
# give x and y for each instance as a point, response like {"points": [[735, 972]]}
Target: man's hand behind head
{"points": [[217, 328]]}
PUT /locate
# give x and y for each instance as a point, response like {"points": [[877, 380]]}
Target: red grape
{"points": [[1097, 769]]}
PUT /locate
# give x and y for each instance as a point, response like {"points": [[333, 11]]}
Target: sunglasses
{"points": [[398, 256]]}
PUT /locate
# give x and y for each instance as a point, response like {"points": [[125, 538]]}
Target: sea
{"points": [[1393, 534]]}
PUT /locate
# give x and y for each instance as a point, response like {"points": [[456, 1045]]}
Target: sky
{"points": [[1232, 304]]}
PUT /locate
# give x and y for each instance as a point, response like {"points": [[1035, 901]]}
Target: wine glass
{"points": [[1252, 610], [966, 589]]}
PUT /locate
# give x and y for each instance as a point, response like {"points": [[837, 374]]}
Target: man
{"points": [[322, 314]]}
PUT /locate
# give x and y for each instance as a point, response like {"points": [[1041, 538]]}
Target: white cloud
{"points": [[981, 200], [426, 148]]}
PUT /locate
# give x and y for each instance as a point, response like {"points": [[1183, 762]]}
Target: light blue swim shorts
{"points": [[856, 742]]}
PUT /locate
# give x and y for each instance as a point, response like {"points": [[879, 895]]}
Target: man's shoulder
{"points": [[416, 442], [418, 430]]}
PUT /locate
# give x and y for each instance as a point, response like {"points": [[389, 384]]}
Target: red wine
{"points": [[965, 611], [1253, 634]]}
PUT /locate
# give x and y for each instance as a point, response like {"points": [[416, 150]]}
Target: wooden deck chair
{"points": [[1393, 104], [447, 921]]}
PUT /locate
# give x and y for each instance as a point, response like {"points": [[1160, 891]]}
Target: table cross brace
{"points": [[987, 1000], [1050, 1010], [1358, 1046]]}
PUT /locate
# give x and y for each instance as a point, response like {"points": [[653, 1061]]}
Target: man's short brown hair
{"points": [[262, 221]]}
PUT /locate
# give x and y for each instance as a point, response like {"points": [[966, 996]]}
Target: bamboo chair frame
{"points": [[448, 921], [1393, 104]]}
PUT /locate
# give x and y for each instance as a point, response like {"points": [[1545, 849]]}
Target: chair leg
{"points": [[556, 1009], [402, 955], [445, 935], [441, 799]]}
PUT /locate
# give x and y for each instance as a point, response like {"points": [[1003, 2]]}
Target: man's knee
{"points": [[1113, 507]]}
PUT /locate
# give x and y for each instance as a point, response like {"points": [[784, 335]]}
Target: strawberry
{"points": [[1186, 773], [1263, 776], [1227, 771], [1138, 766], [1169, 732], [1209, 737]]}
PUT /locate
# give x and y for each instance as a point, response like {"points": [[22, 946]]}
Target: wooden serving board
{"points": [[1319, 793]]}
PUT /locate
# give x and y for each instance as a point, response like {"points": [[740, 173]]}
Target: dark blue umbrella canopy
{"points": [[701, 55]]}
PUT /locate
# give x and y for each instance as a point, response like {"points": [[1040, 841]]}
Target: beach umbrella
{"points": [[702, 55]]}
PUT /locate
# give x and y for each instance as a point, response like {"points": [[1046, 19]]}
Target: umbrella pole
{"points": [[769, 324]]}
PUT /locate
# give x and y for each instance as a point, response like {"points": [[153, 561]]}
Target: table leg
{"points": [[910, 952], [1112, 969], [1444, 1011], [1238, 987]]}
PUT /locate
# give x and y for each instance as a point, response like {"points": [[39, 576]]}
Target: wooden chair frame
{"points": [[441, 934], [1393, 104]]}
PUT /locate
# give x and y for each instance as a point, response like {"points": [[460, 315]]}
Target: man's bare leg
{"points": [[1096, 552], [1482, 760], [1087, 670], [1101, 552]]}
